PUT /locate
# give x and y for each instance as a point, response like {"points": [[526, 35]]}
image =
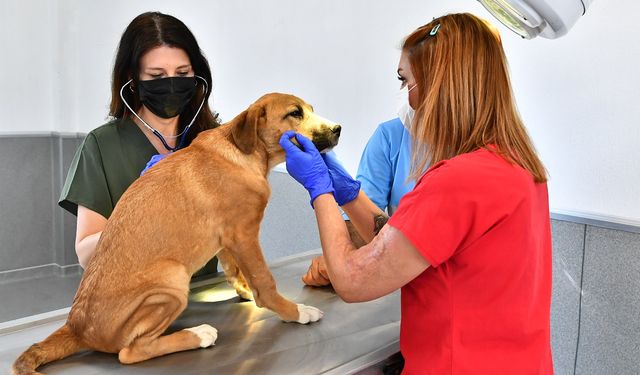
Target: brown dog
{"points": [[207, 199]]}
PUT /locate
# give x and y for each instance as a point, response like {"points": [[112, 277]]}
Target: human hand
{"points": [[306, 166], [346, 187], [317, 274], [154, 159]]}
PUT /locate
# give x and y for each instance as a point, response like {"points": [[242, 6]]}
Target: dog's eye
{"points": [[297, 113]]}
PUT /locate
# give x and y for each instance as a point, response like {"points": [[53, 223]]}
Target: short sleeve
{"points": [[446, 212], [86, 184], [375, 171]]}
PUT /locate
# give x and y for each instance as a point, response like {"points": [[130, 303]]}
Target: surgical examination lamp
{"points": [[529, 18]]}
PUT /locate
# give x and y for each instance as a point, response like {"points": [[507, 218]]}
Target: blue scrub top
{"points": [[385, 164]]}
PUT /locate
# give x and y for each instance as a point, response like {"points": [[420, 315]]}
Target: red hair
{"points": [[465, 97]]}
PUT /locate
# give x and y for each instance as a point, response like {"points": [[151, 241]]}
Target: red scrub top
{"points": [[483, 306]]}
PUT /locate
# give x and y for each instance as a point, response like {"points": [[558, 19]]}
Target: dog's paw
{"points": [[206, 333], [308, 314], [244, 293]]}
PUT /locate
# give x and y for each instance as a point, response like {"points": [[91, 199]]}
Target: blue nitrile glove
{"points": [[306, 166], [346, 187], [154, 159]]}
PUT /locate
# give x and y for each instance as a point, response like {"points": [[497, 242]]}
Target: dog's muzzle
{"points": [[326, 139]]}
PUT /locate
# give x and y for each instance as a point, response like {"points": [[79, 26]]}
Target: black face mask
{"points": [[167, 97]]}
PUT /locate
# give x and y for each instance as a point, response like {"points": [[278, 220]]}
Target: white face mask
{"points": [[405, 112]]}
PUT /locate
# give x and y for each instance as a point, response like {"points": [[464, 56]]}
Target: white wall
{"points": [[27, 40], [579, 98], [576, 94]]}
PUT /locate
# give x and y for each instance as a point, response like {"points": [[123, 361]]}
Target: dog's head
{"points": [[263, 123]]}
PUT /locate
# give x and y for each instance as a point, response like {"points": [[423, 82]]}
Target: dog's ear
{"points": [[245, 128]]}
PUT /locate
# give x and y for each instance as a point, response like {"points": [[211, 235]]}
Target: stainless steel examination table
{"points": [[350, 338]]}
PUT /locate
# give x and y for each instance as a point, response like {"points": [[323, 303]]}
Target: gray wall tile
{"points": [[610, 322], [56, 176], [568, 245], [289, 224], [26, 222]]}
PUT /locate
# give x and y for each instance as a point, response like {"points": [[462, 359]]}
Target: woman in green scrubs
{"points": [[160, 88]]}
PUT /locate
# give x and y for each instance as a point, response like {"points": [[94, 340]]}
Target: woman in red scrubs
{"points": [[470, 246]]}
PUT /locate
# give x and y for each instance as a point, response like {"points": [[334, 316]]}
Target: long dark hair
{"points": [[147, 31]]}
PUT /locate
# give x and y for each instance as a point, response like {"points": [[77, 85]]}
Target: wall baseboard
{"points": [[45, 270], [43, 134], [608, 222]]}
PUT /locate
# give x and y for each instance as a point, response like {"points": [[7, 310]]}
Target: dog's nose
{"points": [[336, 130]]}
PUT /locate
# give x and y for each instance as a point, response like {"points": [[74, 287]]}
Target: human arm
{"points": [[86, 194], [366, 217], [90, 225], [153, 161], [317, 273], [362, 212], [385, 264], [375, 177], [309, 168]]}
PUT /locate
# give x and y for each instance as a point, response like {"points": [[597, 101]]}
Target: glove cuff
{"points": [[347, 197], [319, 190]]}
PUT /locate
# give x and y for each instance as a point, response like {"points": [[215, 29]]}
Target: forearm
{"points": [[357, 275], [365, 216], [356, 240], [335, 241], [86, 247]]}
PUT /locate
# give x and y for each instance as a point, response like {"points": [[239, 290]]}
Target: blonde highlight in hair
{"points": [[465, 97]]}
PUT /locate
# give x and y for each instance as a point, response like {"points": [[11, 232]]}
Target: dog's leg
{"points": [[145, 348], [235, 278], [164, 300], [248, 255]]}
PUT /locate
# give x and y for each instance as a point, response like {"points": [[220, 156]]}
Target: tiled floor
{"points": [[19, 299]]}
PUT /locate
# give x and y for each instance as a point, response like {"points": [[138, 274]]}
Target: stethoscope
{"points": [[182, 135]]}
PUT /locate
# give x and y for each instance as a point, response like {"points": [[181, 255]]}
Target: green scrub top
{"points": [[109, 160]]}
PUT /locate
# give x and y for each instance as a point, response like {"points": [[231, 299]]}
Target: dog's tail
{"points": [[60, 344]]}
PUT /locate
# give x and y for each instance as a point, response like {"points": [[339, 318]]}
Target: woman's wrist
{"points": [[364, 215]]}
